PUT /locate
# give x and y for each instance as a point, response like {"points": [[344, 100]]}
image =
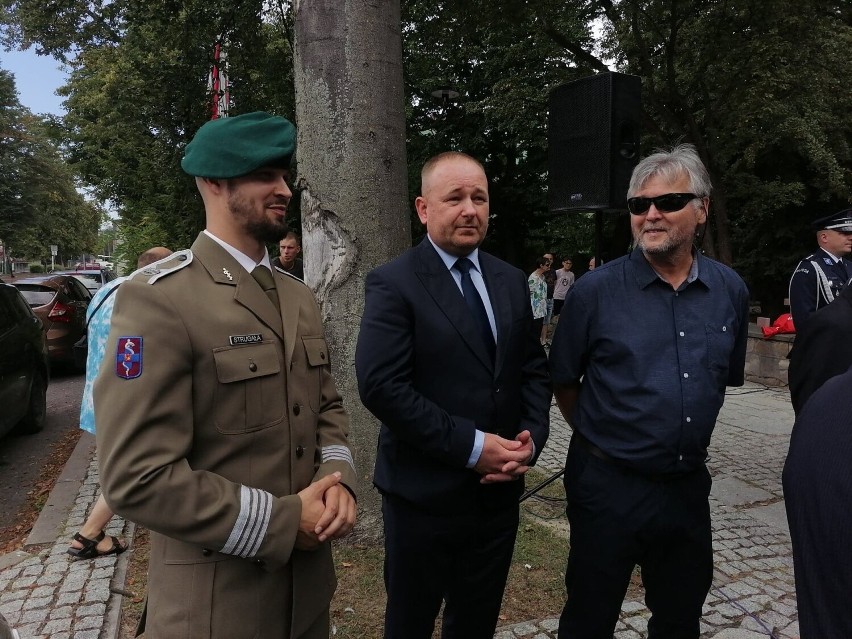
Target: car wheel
{"points": [[36, 415]]}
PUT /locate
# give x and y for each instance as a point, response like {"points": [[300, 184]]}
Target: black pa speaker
{"points": [[593, 140]]}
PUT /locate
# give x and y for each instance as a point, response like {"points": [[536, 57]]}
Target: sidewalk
{"points": [[47, 594]]}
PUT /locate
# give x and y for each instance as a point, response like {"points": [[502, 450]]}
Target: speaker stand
{"points": [[598, 236]]}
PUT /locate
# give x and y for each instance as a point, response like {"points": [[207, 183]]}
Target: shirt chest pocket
{"points": [[250, 394], [720, 345]]}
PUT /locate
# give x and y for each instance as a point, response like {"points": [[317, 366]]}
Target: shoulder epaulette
{"points": [[283, 272], [166, 266]]}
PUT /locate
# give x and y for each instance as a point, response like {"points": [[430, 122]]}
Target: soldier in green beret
{"points": [[219, 425]]}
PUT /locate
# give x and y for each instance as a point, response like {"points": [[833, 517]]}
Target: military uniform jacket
{"points": [[212, 414], [815, 283]]}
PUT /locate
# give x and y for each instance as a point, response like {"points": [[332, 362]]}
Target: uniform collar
{"points": [[244, 260], [831, 255]]}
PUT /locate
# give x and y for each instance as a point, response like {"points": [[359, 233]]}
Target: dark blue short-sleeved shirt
{"points": [[654, 362]]}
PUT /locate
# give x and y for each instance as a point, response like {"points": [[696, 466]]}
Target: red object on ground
{"points": [[782, 325]]}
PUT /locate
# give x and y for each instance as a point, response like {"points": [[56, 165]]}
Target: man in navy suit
{"points": [[448, 360]]}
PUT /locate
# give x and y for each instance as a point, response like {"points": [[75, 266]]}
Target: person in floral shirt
{"points": [[91, 541], [538, 294]]}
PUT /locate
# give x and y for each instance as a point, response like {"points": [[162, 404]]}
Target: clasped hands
{"points": [[504, 459], [328, 512]]}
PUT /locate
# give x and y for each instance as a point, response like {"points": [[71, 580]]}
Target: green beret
{"points": [[231, 147]]}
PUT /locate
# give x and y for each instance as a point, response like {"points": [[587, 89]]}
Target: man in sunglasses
{"points": [[640, 360], [822, 275]]}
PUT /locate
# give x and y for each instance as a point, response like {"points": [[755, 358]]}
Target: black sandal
{"points": [[90, 547]]}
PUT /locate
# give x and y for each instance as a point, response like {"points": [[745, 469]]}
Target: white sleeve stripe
{"points": [[339, 453], [249, 530], [252, 522], [256, 532]]}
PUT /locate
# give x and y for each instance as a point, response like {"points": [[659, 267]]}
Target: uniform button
{"points": [[252, 367], [724, 329], [322, 355], [680, 457], [497, 389], [182, 258], [300, 450], [681, 333], [206, 552], [296, 409], [686, 375], [688, 419]]}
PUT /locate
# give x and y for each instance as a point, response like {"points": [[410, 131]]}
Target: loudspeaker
{"points": [[593, 142]]}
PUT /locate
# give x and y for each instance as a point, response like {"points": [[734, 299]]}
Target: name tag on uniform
{"points": [[254, 338]]}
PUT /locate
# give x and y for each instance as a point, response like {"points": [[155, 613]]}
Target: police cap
{"points": [[841, 221], [231, 147]]}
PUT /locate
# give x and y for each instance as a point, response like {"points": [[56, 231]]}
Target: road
{"points": [[23, 458]]}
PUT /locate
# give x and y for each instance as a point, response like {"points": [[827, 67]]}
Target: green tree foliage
{"points": [[503, 64], [761, 88], [138, 91], [39, 201]]}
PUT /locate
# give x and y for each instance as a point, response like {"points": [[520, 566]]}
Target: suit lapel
{"points": [[439, 283], [226, 271]]}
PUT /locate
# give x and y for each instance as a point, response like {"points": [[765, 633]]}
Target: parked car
{"points": [[93, 278], [60, 301], [24, 371]]}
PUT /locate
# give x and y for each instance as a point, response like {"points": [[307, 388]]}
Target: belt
{"points": [[597, 452]]}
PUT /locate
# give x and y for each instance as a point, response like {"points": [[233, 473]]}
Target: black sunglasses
{"points": [[668, 203]]}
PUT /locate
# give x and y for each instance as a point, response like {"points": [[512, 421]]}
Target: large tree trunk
{"points": [[352, 169]]}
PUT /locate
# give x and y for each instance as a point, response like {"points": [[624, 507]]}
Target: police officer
{"points": [[219, 426], [820, 277]]}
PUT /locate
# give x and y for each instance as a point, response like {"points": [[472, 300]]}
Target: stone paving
{"points": [[753, 594], [45, 593]]}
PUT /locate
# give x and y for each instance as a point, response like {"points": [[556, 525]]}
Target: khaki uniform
{"points": [[231, 415]]}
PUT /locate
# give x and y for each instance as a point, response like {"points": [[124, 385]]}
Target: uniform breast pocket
{"points": [[317, 358], [250, 394]]}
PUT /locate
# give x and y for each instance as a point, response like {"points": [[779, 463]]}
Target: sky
{"points": [[37, 77]]}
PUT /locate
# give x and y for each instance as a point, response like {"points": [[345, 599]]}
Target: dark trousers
{"points": [[462, 560], [620, 519]]}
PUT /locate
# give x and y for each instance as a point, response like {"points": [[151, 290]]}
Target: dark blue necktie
{"points": [[474, 303]]}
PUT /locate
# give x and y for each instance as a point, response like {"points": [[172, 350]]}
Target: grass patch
{"points": [[535, 588], [135, 582]]}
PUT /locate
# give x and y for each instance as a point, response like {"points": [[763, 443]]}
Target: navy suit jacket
{"points": [[424, 371], [822, 350]]}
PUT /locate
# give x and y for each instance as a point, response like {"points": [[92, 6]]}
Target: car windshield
{"points": [[37, 295]]}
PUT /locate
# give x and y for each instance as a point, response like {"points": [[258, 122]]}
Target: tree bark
{"points": [[353, 177]]}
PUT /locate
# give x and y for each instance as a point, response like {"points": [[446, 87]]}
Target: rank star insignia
{"points": [[228, 274]]}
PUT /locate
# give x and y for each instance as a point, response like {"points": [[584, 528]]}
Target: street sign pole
{"points": [[54, 249]]}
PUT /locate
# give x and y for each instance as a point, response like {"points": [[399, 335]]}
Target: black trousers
{"points": [[620, 519], [462, 560]]}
